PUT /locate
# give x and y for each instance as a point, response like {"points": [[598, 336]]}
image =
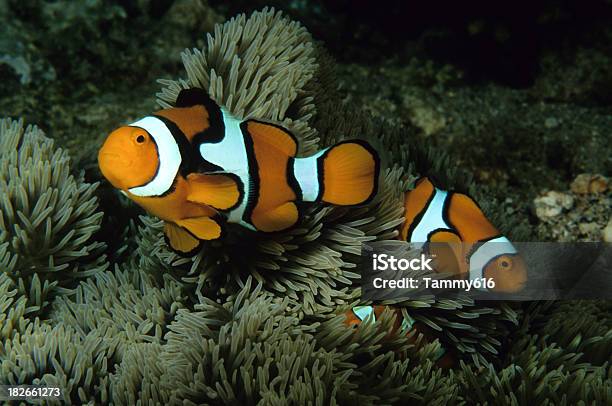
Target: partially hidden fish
{"points": [[401, 325], [452, 227], [195, 166]]}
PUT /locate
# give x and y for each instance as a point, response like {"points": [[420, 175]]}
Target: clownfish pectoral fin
{"points": [[179, 239], [276, 219], [204, 228], [448, 251], [350, 173], [272, 135], [193, 97], [221, 191]]}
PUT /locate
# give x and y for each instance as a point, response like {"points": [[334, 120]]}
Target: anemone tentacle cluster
{"points": [[48, 217]]}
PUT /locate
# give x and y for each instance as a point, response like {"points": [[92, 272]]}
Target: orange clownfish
{"points": [[469, 245], [193, 163], [474, 247]]}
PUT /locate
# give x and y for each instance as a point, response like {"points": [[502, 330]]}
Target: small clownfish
{"points": [[472, 247], [194, 164]]}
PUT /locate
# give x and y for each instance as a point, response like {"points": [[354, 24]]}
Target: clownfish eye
{"points": [[140, 139], [505, 263]]}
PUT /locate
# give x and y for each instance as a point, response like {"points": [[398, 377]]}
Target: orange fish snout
{"points": [[128, 157]]}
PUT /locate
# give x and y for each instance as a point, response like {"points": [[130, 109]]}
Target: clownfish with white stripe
{"points": [[464, 241], [195, 165]]}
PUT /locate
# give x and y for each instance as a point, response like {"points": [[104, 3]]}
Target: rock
{"points": [[192, 15], [427, 117], [606, 234], [551, 204], [587, 183], [588, 228]]}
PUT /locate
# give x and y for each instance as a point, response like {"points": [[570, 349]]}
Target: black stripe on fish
{"points": [[419, 216], [253, 171], [445, 212], [292, 181], [206, 166], [216, 127], [377, 164], [190, 161], [321, 175], [446, 230], [198, 97]]}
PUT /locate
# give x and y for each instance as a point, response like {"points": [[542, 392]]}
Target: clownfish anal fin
{"points": [[193, 97], [204, 228], [221, 191], [273, 135], [276, 219], [179, 239]]}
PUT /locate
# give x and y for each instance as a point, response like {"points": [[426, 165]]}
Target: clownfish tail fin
{"points": [[348, 173]]}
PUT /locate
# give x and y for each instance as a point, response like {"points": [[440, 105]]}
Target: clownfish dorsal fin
{"points": [[179, 239], [193, 97], [415, 203], [272, 135], [469, 220], [220, 191], [204, 228]]}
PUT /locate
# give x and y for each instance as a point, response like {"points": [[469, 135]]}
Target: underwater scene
{"points": [[336, 202]]}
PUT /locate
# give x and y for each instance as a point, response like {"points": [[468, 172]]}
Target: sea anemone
{"points": [[124, 304], [58, 357], [313, 264], [48, 217], [256, 67], [254, 349]]}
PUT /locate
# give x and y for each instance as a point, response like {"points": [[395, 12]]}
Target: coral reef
{"points": [[258, 318]]}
